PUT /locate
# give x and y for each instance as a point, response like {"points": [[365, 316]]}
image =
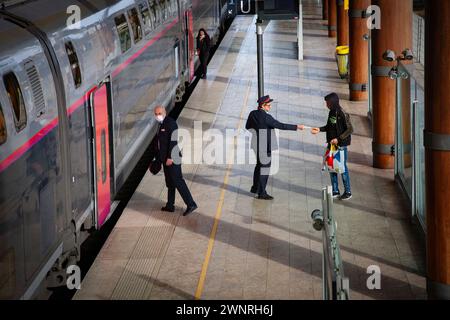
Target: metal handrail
{"points": [[335, 285]]}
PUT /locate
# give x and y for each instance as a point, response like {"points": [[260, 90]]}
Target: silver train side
{"points": [[52, 73]]}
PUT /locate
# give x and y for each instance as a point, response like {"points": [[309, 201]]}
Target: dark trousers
{"points": [[174, 180], [260, 178], [204, 64]]}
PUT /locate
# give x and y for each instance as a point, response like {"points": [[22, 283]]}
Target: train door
{"points": [[99, 102], [190, 49]]}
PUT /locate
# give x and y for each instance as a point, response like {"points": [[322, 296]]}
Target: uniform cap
{"points": [[263, 100]]}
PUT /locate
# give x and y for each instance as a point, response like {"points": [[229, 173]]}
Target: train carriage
{"points": [[76, 100]]}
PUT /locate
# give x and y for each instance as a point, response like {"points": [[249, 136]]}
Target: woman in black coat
{"points": [[203, 47]]}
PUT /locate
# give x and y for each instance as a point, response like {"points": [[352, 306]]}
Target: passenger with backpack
{"points": [[338, 130]]}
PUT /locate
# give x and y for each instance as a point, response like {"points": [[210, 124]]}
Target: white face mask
{"points": [[159, 118]]}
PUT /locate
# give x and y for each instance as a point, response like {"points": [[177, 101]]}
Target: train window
{"points": [[163, 10], [170, 6], [154, 9], [74, 64], [168, 9], [124, 32], [174, 8], [146, 18], [3, 132], [153, 18], [16, 99], [135, 24], [152, 15]]}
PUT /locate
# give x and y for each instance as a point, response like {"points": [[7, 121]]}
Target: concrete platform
{"points": [[237, 247]]}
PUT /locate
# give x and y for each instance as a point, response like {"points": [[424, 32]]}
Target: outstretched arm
{"points": [[320, 129], [275, 124]]}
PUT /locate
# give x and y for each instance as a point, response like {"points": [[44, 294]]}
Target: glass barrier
{"points": [[403, 130], [419, 208], [335, 285], [410, 152]]}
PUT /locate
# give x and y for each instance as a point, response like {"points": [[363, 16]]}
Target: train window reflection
{"points": [[74, 64], [152, 15], [146, 19], [163, 10], [3, 132], [124, 32], [16, 99], [174, 8], [135, 24], [154, 9]]}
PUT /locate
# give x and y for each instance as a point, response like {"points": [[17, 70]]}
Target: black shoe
{"points": [[336, 195], [168, 209], [265, 197], [346, 196], [254, 190], [189, 210]]}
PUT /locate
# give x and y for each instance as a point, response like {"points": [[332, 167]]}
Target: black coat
{"points": [[204, 47], [338, 127], [165, 145], [261, 120]]}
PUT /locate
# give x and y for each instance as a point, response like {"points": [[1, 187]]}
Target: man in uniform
{"points": [[170, 156], [262, 124]]}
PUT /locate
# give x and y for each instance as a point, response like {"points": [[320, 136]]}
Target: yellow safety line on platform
{"points": [[212, 237]]}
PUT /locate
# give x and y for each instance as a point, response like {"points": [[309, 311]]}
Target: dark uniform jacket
{"points": [[338, 127], [259, 120], [165, 147]]}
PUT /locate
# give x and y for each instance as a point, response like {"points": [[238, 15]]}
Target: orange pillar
{"points": [[359, 50], [342, 24], [325, 9], [395, 34], [332, 18], [437, 146]]}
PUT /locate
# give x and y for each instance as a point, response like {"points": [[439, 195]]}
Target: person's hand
{"points": [[334, 142], [300, 127], [169, 162], [315, 130]]}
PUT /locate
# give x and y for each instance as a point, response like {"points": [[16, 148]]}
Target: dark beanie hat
{"points": [[333, 98]]}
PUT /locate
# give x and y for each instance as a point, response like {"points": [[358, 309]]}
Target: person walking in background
{"points": [[203, 48], [262, 124], [338, 130], [167, 151]]}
